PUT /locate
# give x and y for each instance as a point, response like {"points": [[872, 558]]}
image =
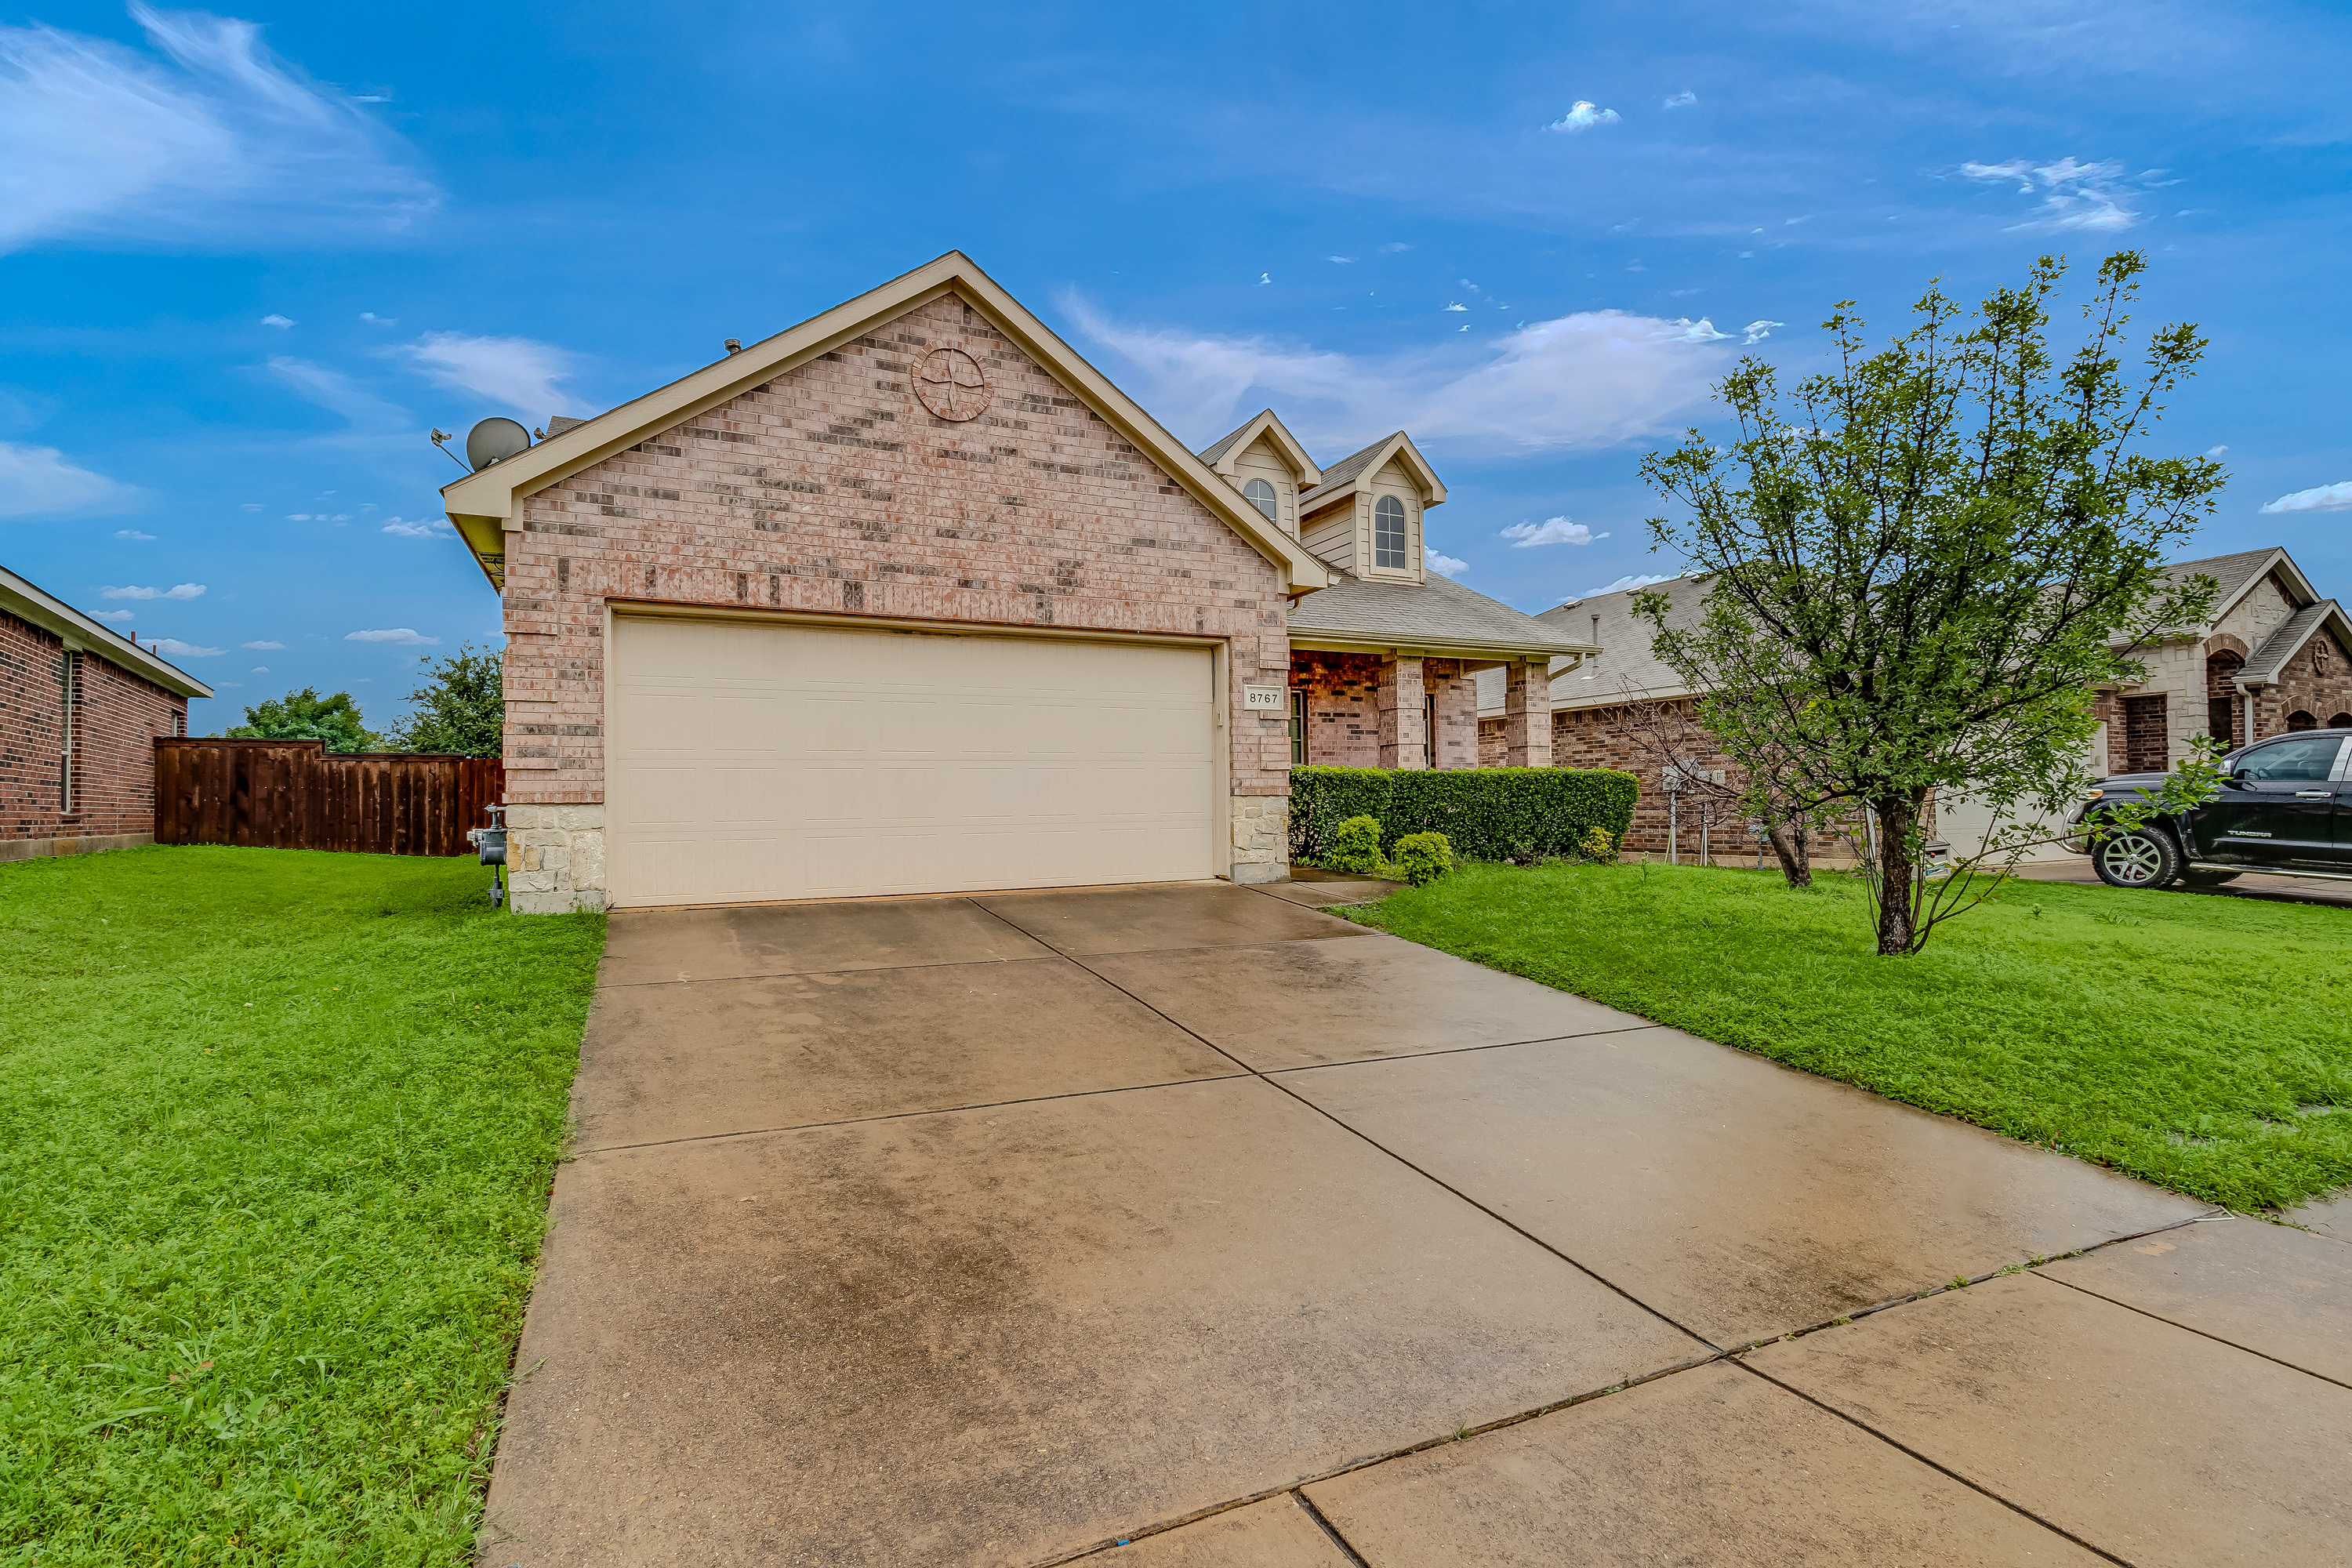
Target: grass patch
{"points": [[275, 1134], [2204, 1044]]}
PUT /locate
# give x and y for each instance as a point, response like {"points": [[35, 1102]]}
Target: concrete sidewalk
{"points": [[1191, 1226]]}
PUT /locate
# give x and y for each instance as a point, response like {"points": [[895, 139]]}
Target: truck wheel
{"points": [[2136, 857]]}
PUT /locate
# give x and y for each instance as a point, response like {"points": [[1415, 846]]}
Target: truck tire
{"points": [[2136, 857]]}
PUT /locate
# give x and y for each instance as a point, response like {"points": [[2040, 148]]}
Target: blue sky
{"points": [[247, 259]]}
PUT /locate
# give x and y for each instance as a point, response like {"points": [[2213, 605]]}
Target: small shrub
{"points": [[1356, 847], [1597, 847], [1423, 858]]}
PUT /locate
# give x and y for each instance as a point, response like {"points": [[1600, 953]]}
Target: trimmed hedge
{"points": [[1487, 813]]}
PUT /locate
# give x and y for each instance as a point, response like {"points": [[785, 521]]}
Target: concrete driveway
{"points": [[1191, 1225]]}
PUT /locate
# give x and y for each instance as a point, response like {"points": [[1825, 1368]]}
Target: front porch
{"points": [[1352, 707]]}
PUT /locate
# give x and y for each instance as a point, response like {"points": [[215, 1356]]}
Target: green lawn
{"points": [[275, 1134], [2201, 1043]]}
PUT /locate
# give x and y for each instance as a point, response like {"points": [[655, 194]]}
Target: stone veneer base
{"points": [[87, 843]]}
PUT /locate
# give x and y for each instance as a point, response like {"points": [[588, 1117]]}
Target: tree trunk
{"points": [[1788, 841], [1896, 815]]}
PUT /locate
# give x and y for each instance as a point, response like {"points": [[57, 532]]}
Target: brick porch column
{"points": [[1404, 718], [1526, 715]]}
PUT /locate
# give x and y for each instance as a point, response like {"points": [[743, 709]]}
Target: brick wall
{"points": [[1343, 720], [117, 717], [31, 704], [1607, 738], [831, 489], [2316, 681]]}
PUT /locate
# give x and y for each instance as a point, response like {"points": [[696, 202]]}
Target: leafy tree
{"points": [[304, 715], [460, 708], [1923, 559]]}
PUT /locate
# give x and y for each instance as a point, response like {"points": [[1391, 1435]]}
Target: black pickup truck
{"points": [[2285, 809]]}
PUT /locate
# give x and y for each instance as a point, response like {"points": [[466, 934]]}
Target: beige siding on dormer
{"points": [[1264, 461], [1395, 479], [1332, 533]]}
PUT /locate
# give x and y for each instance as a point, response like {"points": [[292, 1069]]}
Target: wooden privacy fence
{"points": [[296, 795]]}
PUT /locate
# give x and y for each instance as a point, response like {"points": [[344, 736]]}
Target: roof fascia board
{"points": [[1423, 648], [1270, 424], [1432, 490], [46, 610], [491, 493]]}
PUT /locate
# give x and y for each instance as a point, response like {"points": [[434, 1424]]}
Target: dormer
{"points": [[1365, 517], [1264, 461]]}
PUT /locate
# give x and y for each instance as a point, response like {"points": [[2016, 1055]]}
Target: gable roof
{"points": [[22, 599], [2263, 666], [480, 503], [2239, 573], [1440, 617], [1222, 454], [1349, 471]]}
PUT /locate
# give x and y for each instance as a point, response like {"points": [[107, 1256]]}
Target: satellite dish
{"points": [[494, 441]]}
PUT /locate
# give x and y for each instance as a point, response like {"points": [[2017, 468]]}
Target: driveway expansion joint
{"points": [[2175, 1322]]}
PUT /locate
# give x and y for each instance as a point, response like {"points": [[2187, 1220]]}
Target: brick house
{"points": [[910, 598], [81, 710], [2272, 657]]}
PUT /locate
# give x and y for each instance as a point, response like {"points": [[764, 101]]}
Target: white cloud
{"points": [[1680, 100], [275, 320], [1579, 381], [399, 635], [1445, 565], [2079, 195], [183, 590], [113, 615], [1393, 246], [332, 390], [419, 528], [133, 533], [1342, 260], [2322, 498], [263, 646], [1552, 530], [36, 481], [178, 650], [379, 320], [1624, 583], [1699, 331], [317, 517], [258, 669], [108, 141], [2216, 451], [518, 372], [1759, 331], [1457, 305], [1584, 116]]}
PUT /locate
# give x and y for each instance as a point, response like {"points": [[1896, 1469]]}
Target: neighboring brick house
{"points": [[907, 598], [2272, 656], [81, 710]]}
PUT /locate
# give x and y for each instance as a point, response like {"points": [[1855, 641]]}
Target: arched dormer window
{"points": [[1260, 494], [1388, 533]]}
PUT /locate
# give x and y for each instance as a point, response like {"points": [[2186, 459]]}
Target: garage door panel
{"points": [[753, 761]]}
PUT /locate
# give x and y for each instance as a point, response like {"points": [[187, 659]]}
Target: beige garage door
{"points": [[750, 761]]}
